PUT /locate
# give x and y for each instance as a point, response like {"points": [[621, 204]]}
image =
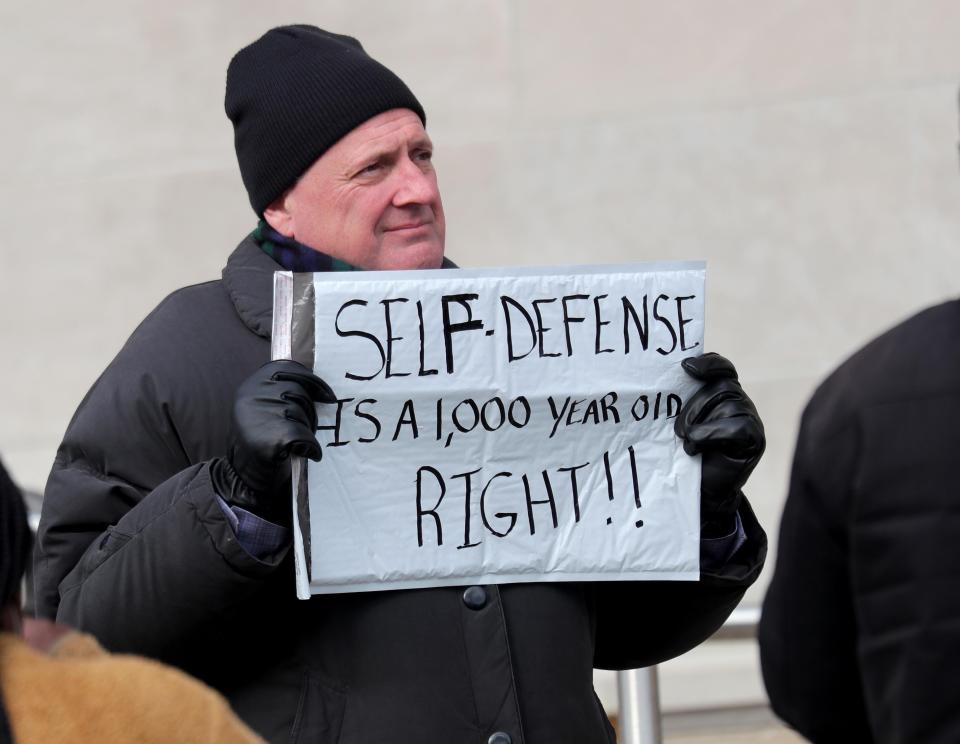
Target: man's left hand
{"points": [[720, 423]]}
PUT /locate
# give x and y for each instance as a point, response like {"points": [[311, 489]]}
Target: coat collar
{"points": [[248, 278]]}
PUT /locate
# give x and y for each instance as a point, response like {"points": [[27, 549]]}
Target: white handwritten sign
{"points": [[496, 425]]}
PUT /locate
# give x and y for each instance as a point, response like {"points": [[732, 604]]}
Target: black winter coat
{"points": [[860, 632], [134, 548]]}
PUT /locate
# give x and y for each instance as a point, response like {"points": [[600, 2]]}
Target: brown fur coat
{"points": [[80, 693]]}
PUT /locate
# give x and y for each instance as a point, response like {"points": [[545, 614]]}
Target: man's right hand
{"points": [[274, 416]]}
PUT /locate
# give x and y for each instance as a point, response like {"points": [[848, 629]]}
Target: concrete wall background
{"points": [[807, 149]]}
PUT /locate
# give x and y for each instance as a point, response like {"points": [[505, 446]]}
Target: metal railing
{"points": [[638, 690]]}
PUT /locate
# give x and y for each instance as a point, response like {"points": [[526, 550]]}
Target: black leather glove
{"points": [[721, 423], [274, 416]]}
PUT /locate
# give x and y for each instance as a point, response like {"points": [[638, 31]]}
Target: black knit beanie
{"points": [[15, 538], [292, 94]]}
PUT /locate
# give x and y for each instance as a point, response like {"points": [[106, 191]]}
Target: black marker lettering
{"points": [[335, 426], [390, 337], [608, 474], [541, 330], [573, 409], [473, 410], [511, 356], [449, 328], [512, 516], [557, 415], [610, 407], [598, 324], [681, 322], [592, 412], [467, 479], [408, 416], [665, 321], [646, 408], [501, 414], [362, 334], [568, 319], [531, 502], [633, 473], [513, 418], [369, 417], [422, 372], [643, 329], [432, 512], [574, 489]]}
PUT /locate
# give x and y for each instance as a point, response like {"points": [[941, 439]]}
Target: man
{"points": [[66, 689], [164, 525], [860, 632]]}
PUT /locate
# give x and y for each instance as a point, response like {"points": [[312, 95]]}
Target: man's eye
{"points": [[425, 155], [370, 169]]}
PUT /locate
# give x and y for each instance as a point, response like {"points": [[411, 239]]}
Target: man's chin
{"points": [[425, 254]]}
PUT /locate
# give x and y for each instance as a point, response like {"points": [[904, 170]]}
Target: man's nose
{"points": [[416, 185]]}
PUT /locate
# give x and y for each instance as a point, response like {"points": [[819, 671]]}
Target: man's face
{"points": [[370, 200]]}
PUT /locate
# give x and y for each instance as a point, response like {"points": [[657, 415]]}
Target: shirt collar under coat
{"points": [[248, 279]]}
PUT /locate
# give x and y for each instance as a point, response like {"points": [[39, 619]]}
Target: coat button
{"points": [[500, 737], [475, 597]]}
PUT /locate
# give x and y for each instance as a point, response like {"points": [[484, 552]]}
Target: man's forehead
{"points": [[384, 132]]}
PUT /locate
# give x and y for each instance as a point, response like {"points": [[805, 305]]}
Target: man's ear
{"points": [[278, 215]]}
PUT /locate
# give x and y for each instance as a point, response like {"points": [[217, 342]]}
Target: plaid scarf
{"points": [[294, 256]]}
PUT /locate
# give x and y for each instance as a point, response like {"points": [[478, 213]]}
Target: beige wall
{"points": [[807, 150]]}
